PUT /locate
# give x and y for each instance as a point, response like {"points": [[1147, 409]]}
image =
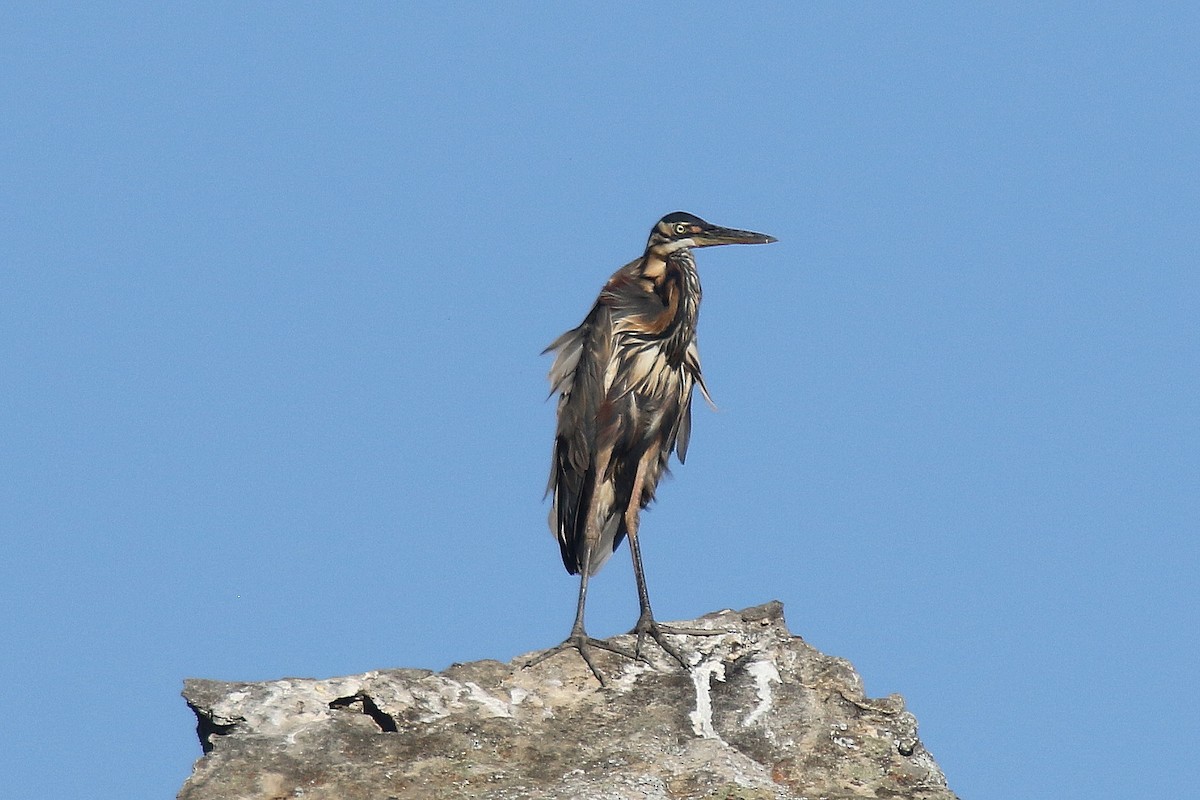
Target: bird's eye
{"points": [[681, 228]]}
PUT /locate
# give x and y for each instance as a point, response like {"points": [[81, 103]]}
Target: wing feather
{"points": [[578, 372]]}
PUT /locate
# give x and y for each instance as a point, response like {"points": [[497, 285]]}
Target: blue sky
{"points": [[274, 280]]}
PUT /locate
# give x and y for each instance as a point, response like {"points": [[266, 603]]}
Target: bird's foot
{"points": [[580, 641], [648, 626]]}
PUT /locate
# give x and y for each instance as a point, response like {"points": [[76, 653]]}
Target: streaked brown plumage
{"points": [[625, 378]]}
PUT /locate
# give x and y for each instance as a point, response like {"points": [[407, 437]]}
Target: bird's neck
{"points": [[679, 270]]}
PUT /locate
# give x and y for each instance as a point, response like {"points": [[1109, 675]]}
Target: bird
{"points": [[624, 379]]}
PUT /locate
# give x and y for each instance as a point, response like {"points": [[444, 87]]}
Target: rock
{"points": [[760, 715]]}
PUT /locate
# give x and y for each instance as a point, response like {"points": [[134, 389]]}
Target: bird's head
{"points": [[681, 229]]}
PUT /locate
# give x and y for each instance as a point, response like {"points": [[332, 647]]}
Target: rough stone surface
{"points": [[760, 715]]}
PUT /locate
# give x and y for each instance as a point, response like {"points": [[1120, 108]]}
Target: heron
{"points": [[625, 378]]}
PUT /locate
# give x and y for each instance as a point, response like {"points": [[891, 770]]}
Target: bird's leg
{"points": [[646, 623], [578, 637], [580, 641]]}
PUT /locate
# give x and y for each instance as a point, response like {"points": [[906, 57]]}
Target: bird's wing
{"points": [[581, 358], [637, 302]]}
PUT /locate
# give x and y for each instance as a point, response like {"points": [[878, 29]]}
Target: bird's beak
{"points": [[715, 234]]}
